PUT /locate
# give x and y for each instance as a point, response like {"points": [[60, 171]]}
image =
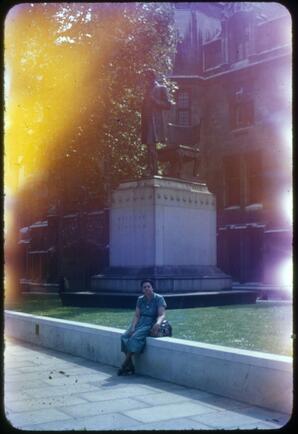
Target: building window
{"points": [[253, 164], [242, 114], [239, 39], [183, 114], [242, 45], [232, 180], [212, 54]]}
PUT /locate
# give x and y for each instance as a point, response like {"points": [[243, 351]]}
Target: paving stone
{"points": [[169, 387], [113, 421], [165, 412], [258, 425], [10, 396], [162, 398], [266, 415], [60, 379], [48, 366], [175, 424], [228, 420], [23, 385], [20, 365], [20, 420], [109, 422], [221, 403], [59, 365], [115, 392], [37, 368], [17, 377], [61, 390], [63, 425], [99, 366], [166, 387], [18, 359], [102, 407], [84, 370], [194, 395], [41, 403]]}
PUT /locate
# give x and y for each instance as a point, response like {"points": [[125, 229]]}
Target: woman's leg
{"points": [[127, 366], [127, 359], [131, 344], [128, 354], [129, 362]]}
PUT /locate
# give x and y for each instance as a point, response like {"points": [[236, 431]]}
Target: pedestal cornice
{"points": [[165, 182], [164, 191]]}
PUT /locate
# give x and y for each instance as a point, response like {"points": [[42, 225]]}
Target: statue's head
{"points": [[150, 75]]}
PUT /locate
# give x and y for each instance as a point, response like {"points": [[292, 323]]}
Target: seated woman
{"points": [[149, 314]]}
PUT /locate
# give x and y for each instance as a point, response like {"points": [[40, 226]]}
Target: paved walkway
{"points": [[48, 390]]}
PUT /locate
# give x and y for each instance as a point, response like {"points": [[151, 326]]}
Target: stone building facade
{"points": [[233, 70]]}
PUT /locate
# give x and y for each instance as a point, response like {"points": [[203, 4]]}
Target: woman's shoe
{"points": [[130, 368], [126, 369], [120, 371]]}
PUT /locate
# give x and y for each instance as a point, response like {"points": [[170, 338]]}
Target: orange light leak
{"points": [[48, 86]]}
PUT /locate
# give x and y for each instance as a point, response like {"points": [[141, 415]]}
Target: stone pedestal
{"points": [[165, 229]]}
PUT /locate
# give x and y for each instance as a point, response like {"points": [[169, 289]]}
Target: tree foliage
{"points": [[143, 36], [113, 44]]}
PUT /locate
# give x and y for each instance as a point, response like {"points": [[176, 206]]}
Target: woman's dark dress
{"points": [[149, 313]]}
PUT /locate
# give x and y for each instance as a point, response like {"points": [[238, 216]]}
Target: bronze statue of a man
{"points": [[156, 99]]}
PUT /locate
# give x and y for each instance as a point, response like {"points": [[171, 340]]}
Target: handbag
{"points": [[165, 329]]}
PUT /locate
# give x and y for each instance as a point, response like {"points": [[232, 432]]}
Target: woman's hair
{"points": [[147, 281]]}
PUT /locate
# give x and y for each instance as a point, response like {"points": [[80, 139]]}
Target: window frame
{"points": [[206, 46], [183, 109], [242, 113]]}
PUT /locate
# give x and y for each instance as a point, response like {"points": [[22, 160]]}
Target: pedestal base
{"points": [[163, 229], [167, 279]]}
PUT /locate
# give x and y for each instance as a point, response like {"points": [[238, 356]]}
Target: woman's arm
{"points": [[135, 320], [161, 316]]}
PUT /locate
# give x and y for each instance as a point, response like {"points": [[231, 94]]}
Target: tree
{"points": [[142, 36], [77, 71]]}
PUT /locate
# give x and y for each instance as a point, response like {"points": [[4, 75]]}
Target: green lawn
{"points": [[264, 326]]}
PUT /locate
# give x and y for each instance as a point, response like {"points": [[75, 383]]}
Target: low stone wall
{"points": [[253, 377]]}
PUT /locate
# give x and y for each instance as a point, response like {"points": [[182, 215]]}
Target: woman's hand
{"points": [[155, 329], [161, 316]]}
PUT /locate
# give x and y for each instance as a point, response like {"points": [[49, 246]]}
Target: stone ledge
{"points": [[165, 182], [248, 376]]}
